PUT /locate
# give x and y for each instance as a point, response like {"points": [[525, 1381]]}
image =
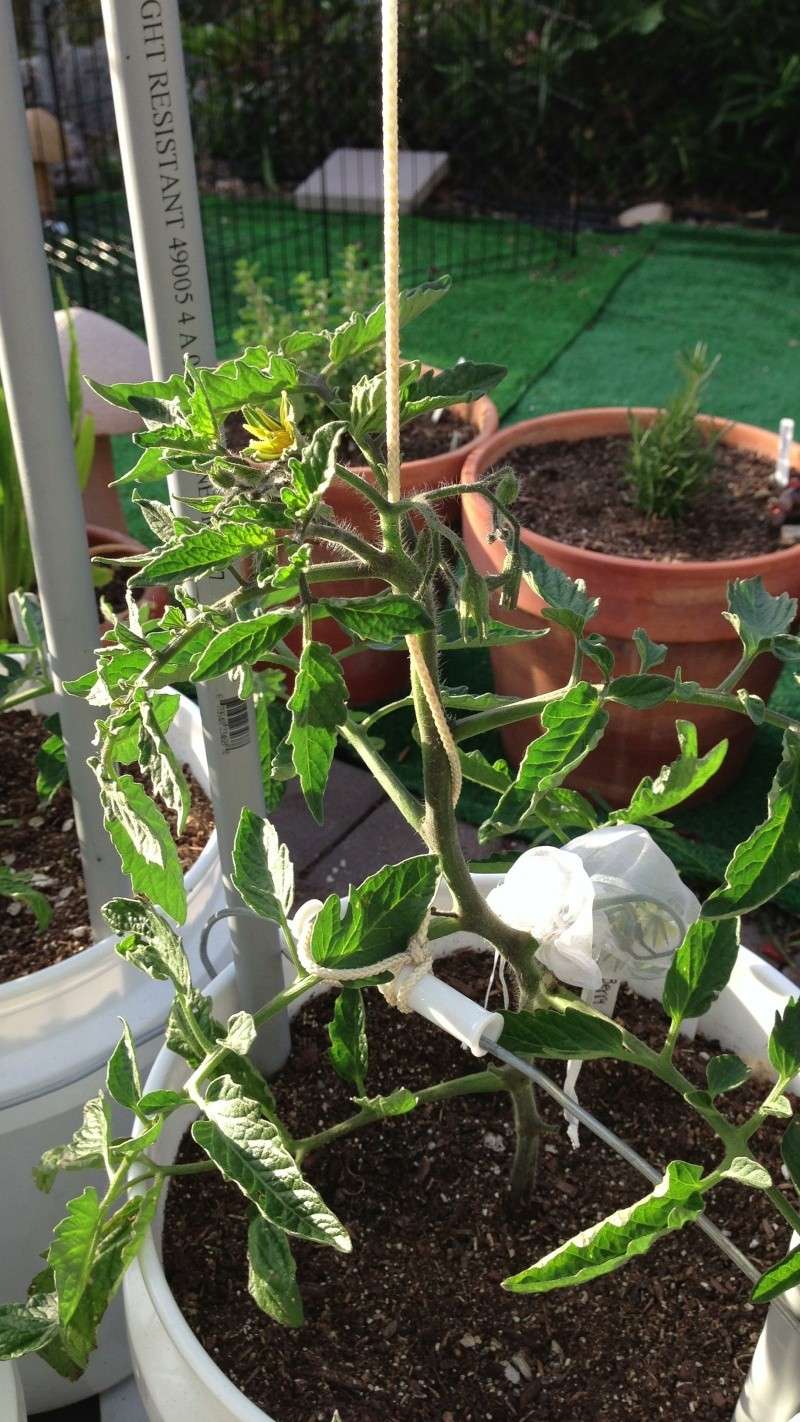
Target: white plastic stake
{"points": [[783, 465], [148, 83], [30, 367], [771, 1392]]}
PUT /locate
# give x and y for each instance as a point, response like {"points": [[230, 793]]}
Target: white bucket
{"points": [[177, 1378], [12, 1403], [57, 1029]]}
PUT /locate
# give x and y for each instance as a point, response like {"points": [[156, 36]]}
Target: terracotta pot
{"points": [[373, 675], [110, 543], [677, 603]]}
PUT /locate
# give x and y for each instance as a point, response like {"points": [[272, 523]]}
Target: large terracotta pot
{"points": [[677, 603], [373, 675], [110, 543]]}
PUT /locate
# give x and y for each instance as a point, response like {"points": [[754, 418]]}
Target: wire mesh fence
{"points": [[275, 90]]}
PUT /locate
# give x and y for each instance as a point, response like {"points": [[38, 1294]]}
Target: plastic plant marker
{"points": [[148, 79], [30, 366]]}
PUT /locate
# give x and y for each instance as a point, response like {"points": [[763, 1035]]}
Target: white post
{"points": [[771, 1392], [30, 368], [148, 83]]}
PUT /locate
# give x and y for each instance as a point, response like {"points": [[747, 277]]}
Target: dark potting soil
{"points": [[419, 439], [576, 491], [41, 839], [414, 1324], [422, 438]]}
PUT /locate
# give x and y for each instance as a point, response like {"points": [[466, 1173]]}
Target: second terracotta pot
{"points": [[677, 603], [373, 675]]}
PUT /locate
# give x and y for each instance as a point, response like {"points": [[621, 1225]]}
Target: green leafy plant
{"points": [[268, 504], [16, 558], [670, 460]]}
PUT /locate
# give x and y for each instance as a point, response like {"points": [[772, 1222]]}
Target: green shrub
{"points": [[670, 461]]}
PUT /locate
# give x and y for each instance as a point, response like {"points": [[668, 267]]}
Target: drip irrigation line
{"points": [[627, 1153]]}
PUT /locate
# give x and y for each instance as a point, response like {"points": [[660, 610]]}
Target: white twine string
{"points": [[408, 967], [391, 271]]}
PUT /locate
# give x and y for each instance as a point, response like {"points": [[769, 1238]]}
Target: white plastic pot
{"points": [[12, 1403], [177, 1378], [57, 1028]]}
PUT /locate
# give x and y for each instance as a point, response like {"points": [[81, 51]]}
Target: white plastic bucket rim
{"points": [[58, 1024], [12, 1403], [740, 1019]]}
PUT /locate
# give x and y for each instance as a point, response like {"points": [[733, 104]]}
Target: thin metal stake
{"points": [[615, 1143], [149, 89], [30, 366]]}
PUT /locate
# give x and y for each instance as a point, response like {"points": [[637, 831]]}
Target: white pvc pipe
{"points": [[30, 367], [454, 1013], [149, 88]]}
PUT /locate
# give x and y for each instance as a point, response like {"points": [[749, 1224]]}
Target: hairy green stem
{"points": [[408, 805], [282, 1000], [528, 1132], [477, 1083]]}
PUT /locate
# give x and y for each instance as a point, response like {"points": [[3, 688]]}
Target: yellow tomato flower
{"points": [[270, 436]]}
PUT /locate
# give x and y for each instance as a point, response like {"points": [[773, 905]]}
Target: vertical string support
{"points": [[391, 240]]}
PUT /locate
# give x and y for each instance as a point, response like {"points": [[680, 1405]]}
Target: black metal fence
{"points": [[274, 90]]}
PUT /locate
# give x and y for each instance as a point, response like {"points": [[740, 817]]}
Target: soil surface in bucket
{"points": [[419, 439], [413, 1324], [39, 837], [577, 491]]}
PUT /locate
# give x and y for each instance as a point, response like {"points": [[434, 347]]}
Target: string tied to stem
{"points": [[408, 967]]}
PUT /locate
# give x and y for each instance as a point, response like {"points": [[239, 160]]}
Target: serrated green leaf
{"points": [[757, 615], [148, 941], [51, 762], [676, 781], [628, 1232], [254, 377], [790, 1151], [492, 634], [318, 706], [770, 857], [725, 1073], [382, 619], [397, 1103], [347, 1031], [71, 1253], [598, 651], [122, 1073], [160, 763], [243, 642], [87, 1150], [651, 654], [381, 916], [160, 400], [153, 1101], [143, 840], [782, 1276], [754, 707], [477, 768], [241, 1033], [701, 968], [128, 727], [249, 1151], [565, 599], [641, 692], [271, 1273], [577, 1034], [312, 473], [201, 552], [27, 1327], [262, 868], [572, 728], [360, 332], [748, 1172], [783, 1047], [435, 390]]}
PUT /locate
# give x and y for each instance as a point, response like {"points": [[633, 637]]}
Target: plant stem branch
{"points": [[408, 805]]}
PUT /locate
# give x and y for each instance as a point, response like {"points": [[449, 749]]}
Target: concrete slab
{"points": [[351, 180], [381, 838], [122, 1404], [351, 795]]}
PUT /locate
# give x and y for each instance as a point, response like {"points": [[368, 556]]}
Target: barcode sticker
{"points": [[234, 723]]}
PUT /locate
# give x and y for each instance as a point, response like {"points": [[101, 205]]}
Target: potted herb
{"points": [[569, 918], [657, 511], [434, 444]]}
